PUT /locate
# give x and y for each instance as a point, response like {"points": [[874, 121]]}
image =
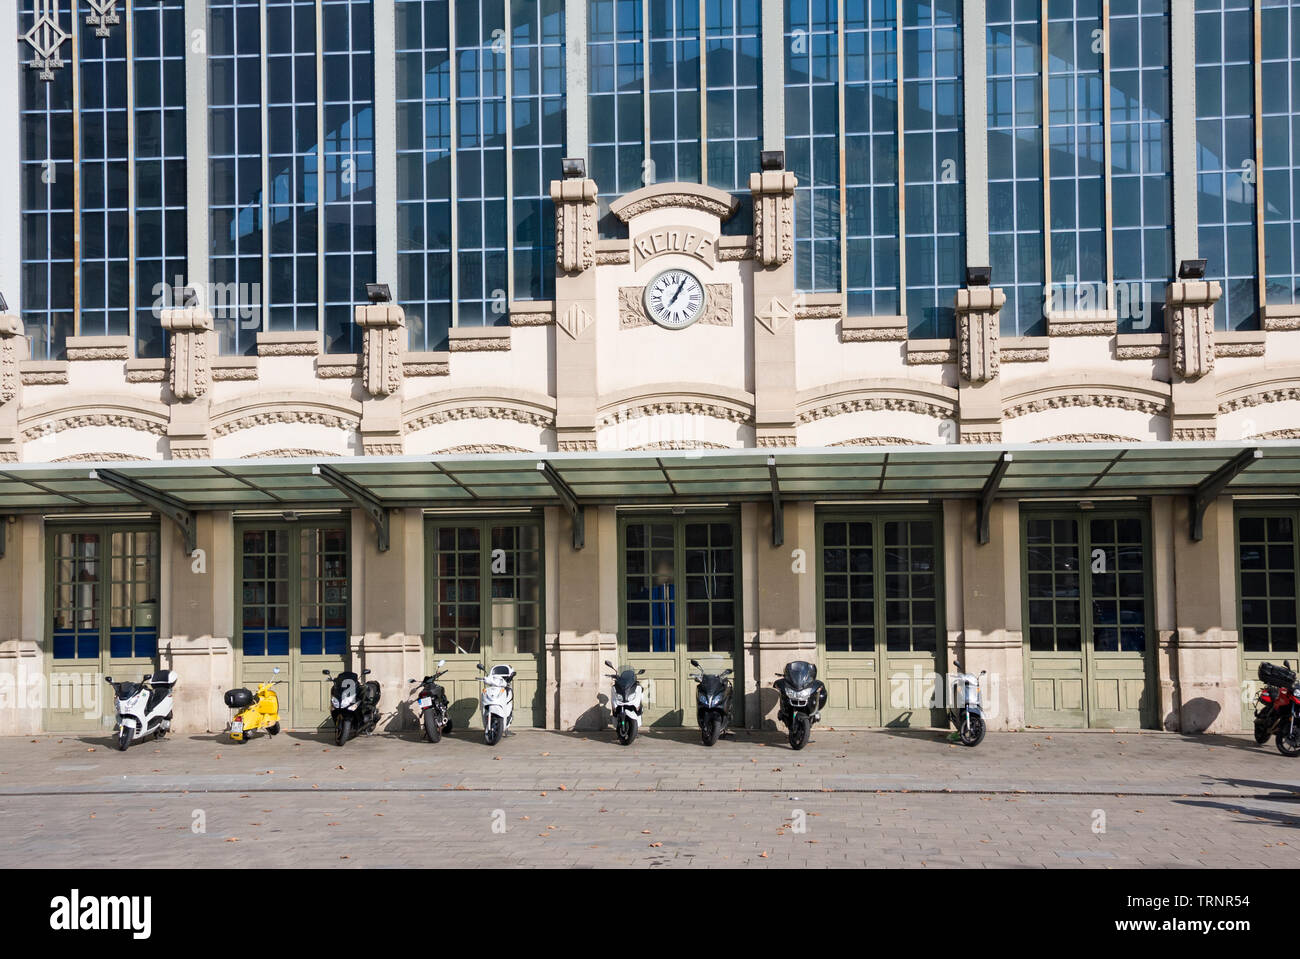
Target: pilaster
{"points": [[575, 313], [774, 307], [13, 350]]}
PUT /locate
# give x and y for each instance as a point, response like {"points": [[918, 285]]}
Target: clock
{"points": [[675, 299]]}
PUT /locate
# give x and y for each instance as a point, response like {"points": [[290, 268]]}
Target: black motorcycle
{"points": [[712, 702], [432, 706], [803, 697], [1279, 703], [354, 705]]}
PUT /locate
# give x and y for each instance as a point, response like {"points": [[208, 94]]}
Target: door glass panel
{"points": [[133, 595], [1266, 560], [710, 588], [515, 566], [456, 594], [1118, 585], [1052, 563], [848, 587], [651, 588], [323, 592], [77, 580], [911, 599], [265, 592]]}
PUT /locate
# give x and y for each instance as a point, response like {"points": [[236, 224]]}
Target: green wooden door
{"points": [[680, 601], [102, 595], [293, 600], [1267, 560], [1087, 614], [880, 628], [484, 605]]}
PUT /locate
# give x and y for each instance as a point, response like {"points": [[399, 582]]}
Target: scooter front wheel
{"points": [[124, 737], [626, 730], [431, 731], [344, 731], [972, 731], [492, 732], [273, 729], [799, 729], [711, 730]]}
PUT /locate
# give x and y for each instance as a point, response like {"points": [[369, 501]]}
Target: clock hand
{"points": [[678, 293]]}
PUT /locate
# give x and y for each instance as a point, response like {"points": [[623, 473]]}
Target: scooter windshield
{"points": [[800, 674], [625, 684]]}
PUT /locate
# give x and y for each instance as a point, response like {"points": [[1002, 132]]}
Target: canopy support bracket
{"points": [[1214, 484], [778, 510], [156, 500], [361, 497], [570, 501], [985, 504]]}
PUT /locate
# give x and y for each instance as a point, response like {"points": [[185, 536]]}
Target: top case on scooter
{"points": [[370, 693], [239, 698]]}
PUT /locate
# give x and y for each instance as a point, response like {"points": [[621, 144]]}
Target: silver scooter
{"points": [[966, 705]]}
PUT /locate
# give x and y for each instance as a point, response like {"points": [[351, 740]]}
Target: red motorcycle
{"points": [[1279, 708]]}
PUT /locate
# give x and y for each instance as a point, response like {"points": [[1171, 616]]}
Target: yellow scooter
{"points": [[260, 710]]}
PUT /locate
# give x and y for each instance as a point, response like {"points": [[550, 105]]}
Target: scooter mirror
{"points": [[108, 679], [365, 672], [640, 672], [413, 680], [442, 662], [726, 672], [325, 672], [276, 670], [696, 663]]}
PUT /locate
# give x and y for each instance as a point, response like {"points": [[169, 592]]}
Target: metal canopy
{"points": [[574, 480]]}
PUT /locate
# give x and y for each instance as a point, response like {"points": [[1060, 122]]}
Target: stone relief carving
{"points": [[189, 360], [1087, 438], [304, 417], [1023, 355], [575, 224], [100, 458], [674, 408], [717, 307], [479, 448], [775, 316], [977, 311], [1194, 434], [874, 403], [57, 377], [1070, 400], [453, 413], [691, 201], [981, 436], [576, 446], [288, 453], [79, 421], [575, 321], [1239, 349], [11, 329], [678, 445], [1189, 316], [773, 192], [1280, 395], [1142, 352], [877, 441], [383, 347]]}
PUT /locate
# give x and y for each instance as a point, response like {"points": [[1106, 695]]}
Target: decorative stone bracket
{"points": [[977, 311], [575, 224], [189, 353], [11, 342], [773, 192], [383, 347], [1189, 317]]}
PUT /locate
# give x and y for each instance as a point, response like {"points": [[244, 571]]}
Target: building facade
{"points": [[879, 333]]}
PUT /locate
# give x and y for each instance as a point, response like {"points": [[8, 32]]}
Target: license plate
{"points": [[425, 702], [236, 728]]}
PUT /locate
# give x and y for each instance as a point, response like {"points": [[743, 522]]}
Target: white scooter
{"points": [[143, 708], [626, 702], [498, 701], [966, 706]]}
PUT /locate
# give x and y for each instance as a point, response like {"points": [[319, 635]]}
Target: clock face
{"points": [[674, 299]]}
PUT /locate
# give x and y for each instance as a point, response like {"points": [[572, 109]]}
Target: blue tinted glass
{"points": [[1226, 166], [1280, 69]]}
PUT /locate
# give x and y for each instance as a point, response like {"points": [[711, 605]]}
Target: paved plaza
{"points": [[544, 798]]}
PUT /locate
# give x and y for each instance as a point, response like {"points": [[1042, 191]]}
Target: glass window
{"points": [[1225, 156], [1015, 126], [105, 594], [1280, 75], [1266, 570], [1141, 164]]}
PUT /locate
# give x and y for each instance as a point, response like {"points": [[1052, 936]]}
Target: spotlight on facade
{"points": [[189, 297], [979, 275], [378, 293], [573, 168], [1191, 270], [772, 159]]}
